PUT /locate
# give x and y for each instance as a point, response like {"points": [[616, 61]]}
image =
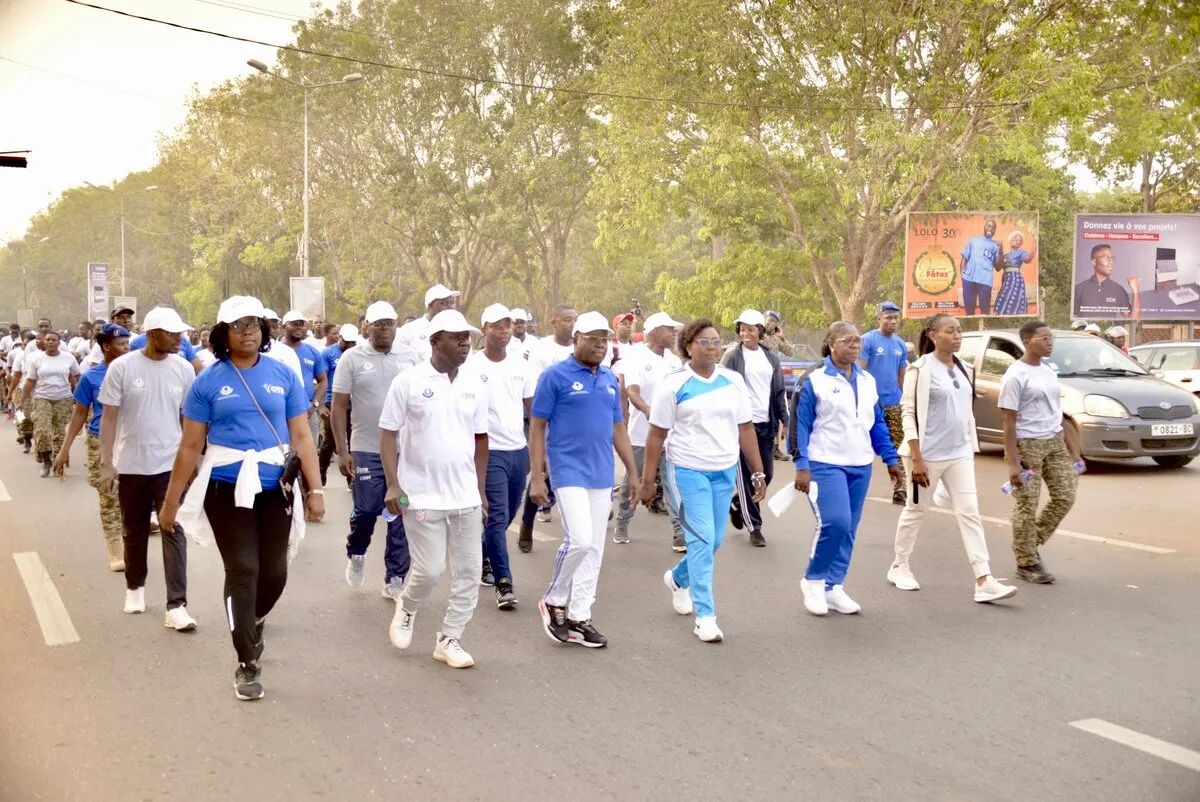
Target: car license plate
{"points": [[1170, 429]]}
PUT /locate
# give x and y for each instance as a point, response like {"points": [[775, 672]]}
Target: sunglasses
{"points": [[241, 326], [705, 342], [953, 377]]}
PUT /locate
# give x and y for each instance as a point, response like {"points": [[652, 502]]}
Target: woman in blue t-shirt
{"points": [[247, 410], [1012, 300]]}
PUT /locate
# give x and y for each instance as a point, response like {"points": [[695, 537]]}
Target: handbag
{"points": [[291, 459]]}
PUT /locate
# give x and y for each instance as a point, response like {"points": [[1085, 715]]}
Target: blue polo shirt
{"points": [[580, 408], [331, 354], [980, 253], [87, 394], [186, 349], [312, 365], [884, 356]]}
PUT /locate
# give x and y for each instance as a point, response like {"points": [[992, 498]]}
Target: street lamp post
{"points": [[122, 196], [347, 79]]}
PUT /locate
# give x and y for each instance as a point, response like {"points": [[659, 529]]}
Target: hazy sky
{"points": [[105, 86]]}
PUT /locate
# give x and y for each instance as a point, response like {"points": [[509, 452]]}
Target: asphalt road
{"points": [[924, 696]]}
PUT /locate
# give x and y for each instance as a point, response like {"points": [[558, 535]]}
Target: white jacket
{"points": [[914, 404]]}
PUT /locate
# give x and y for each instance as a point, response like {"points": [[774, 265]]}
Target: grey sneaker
{"points": [[678, 544], [392, 588], [247, 682], [354, 571], [620, 534]]}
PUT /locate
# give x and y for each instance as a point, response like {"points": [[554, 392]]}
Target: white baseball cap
{"points": [[751, 317], [166, 319], [520, 314], [659, 320], [269, 314], [349, 332], [380, 310], [438, 292], [1117, 331], [450, 320], [295, 315], [1092, 328], [237, 307], [591, 321], [497, 312]]}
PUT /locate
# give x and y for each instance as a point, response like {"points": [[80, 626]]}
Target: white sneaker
{"points": [[839, 601], [393, 589], [179, 620], [991, 590], [135, 600], [902, 577], [681, 598], [451, 652], [354, 571], [814, 596], [401, 630], [706, 629], [544, 516]]}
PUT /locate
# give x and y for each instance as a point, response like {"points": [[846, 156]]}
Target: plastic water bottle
{"points": [[1080, 466], [1008, 487]]}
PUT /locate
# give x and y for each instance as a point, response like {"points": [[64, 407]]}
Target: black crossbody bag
{"points": [[291, 460]]}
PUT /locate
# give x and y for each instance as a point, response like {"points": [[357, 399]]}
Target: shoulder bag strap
{"points": [[279, 442]]}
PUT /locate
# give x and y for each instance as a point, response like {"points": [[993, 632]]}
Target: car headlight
{"points": [[1101, 406], [1196, 401]]}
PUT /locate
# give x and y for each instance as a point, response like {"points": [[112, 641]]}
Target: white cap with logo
{"points": [[439, 292], [660, 319], [380, 310], [348, 332], [497, 312], [295, 316], [751, 317], [165, 319], [450, 320], [520, 314], [591, 321], [237, 307]]}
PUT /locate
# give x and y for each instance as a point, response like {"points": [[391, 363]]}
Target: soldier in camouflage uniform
{"points": [[774, 338], [50, 418], [110, 508]]}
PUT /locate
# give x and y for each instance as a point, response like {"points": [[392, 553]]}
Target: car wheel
{"points": [[1177, 461]]}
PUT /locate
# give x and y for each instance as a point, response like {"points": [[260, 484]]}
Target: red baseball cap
{"points": [[623, 316]]}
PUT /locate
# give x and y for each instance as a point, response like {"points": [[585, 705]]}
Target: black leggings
{"points": [[253, 545]]}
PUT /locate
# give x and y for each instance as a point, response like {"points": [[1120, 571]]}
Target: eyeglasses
{"points": [[595, 339], [241, 326], [850, 341], [705, 342]]}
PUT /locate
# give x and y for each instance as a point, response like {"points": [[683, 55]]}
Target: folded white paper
{"points": [[785, 496]]}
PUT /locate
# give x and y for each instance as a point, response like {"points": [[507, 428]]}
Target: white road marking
{"points": [[4, 496], [1143, 743], [51, 613], [515, 529], [1112, 541]]}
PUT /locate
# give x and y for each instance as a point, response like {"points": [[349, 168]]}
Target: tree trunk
{"points": [[1147, 189]]}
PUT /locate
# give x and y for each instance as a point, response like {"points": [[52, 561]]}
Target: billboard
{"points": [[97, 290], [971, 264], [124, 302], [1136, 266], [308, 296]]}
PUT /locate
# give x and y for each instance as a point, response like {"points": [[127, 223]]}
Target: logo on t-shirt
{"points": [[611, 390], [483, 377], [139, 383], [427, 393], [576, 386], [274, 388], [226, 390], [879, 349], [367, 366]]}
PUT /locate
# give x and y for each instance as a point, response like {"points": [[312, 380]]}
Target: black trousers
{"points": [[253, 543], [327, 448], [744, 498], [139, 496]]}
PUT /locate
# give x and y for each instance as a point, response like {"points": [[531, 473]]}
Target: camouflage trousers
{"points": [[894, 415], [1052, 464], [110, 508], [50, 419]]}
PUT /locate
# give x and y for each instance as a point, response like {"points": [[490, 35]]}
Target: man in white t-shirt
{"points": [[1031, 407], [436, 414], [641, 368], [415, 333], [509, 381], [81, 344], [140, 432], [520, 341]]}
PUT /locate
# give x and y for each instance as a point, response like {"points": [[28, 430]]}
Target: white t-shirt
{"points": [[521, 347], [53, 375], [15, 359], [415, 335], [206, 356], [644, 369], [436, 421], [948, 426], [702, 416], [507, 384], [93, 358], [759, 373], [284, 353], [1034, 393], [79, 347], [6, 343], [150, 395], [547, 353]]}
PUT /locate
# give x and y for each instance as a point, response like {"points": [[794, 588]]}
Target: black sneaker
{"points": [[487, 578], [554, 621], [659, 507], [735, 515], [38, 457], [1036, 573], [28, 445], [583, 633], [258, 639], [505, 598], [247, 682], [757, 539], [525, 539], [45, 460]]}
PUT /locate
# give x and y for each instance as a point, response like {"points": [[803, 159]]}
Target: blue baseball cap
{"points": [[113, 330], [888, 306], [772, 313]]}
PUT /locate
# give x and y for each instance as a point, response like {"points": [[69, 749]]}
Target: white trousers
{"points": [[577, 566], [958, 477], [431, 534]]}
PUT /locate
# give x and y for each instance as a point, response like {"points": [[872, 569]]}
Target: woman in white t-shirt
{"points": [[939, 445], [50, 383], [706, 409]]}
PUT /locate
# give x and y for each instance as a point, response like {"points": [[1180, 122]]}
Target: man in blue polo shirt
{"points": [[575, 423], [884, 356], [978, 263]]}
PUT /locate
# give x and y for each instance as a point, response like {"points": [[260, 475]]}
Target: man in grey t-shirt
{"points": [[140, 432], [361, 382]]}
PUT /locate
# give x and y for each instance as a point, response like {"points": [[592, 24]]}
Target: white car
{"points": [[1178, 363]]}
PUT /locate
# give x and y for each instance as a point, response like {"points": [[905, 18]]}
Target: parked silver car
{"points": [[1178, 363], [1119, 410]]}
